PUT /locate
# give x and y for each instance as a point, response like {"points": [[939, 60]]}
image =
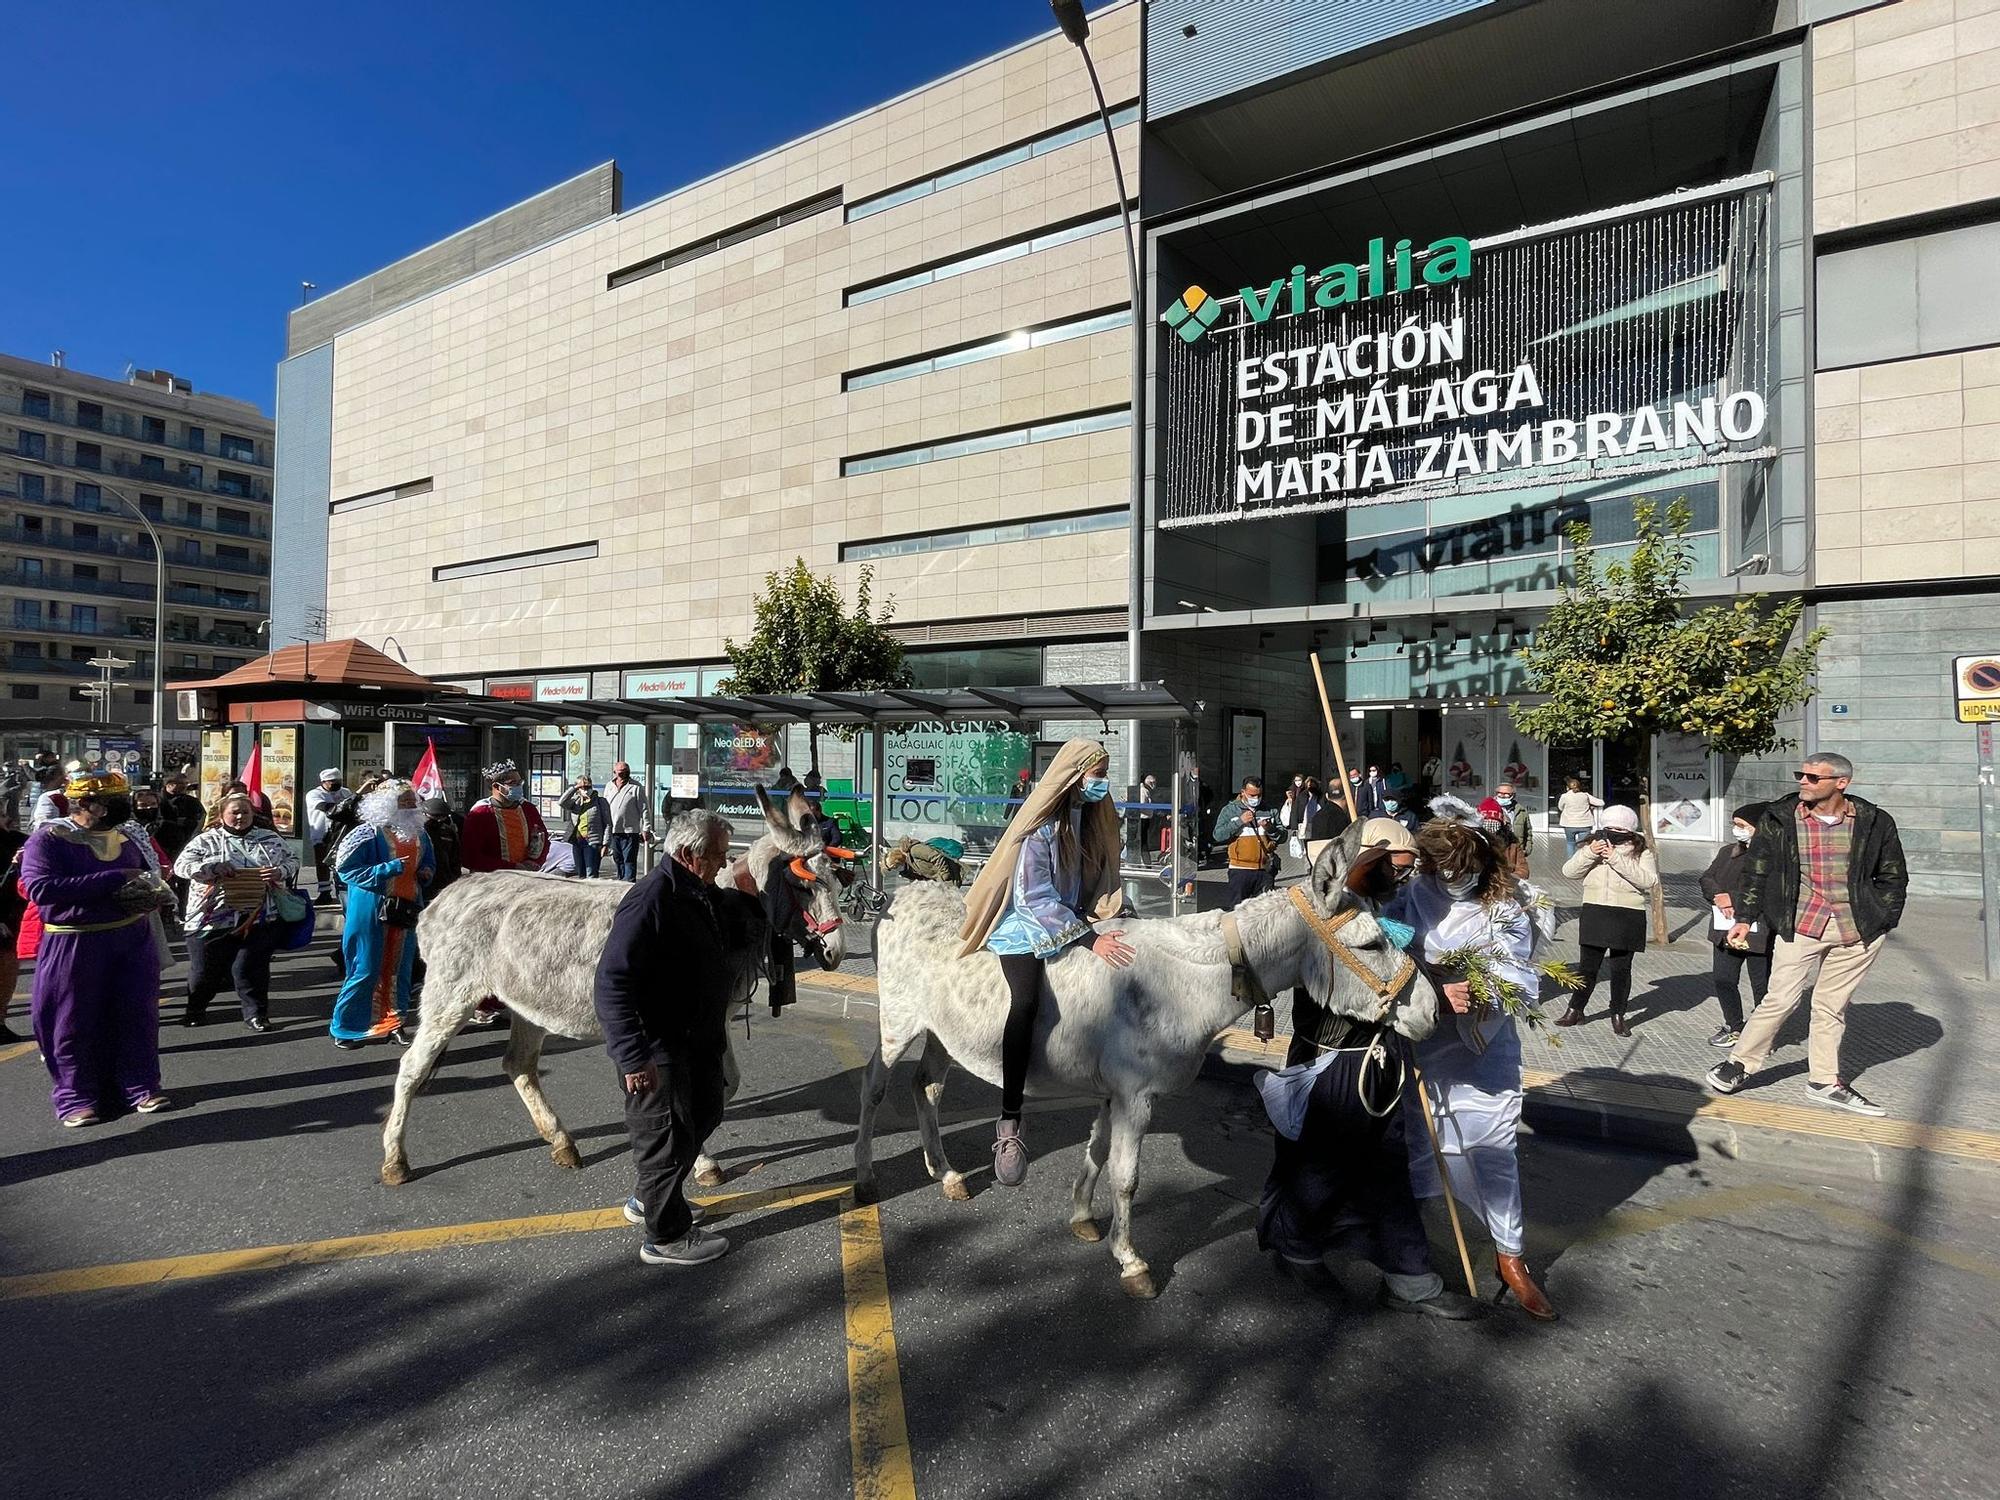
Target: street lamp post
{"points": [[159, 625], [1076, 26]]}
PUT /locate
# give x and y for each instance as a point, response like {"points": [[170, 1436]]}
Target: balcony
{"points": [[57, 541], [48, 666], [116, 629], [248, 565], [133, 474], [49, 583], [210, 599], [215, 525], [118, 424]]}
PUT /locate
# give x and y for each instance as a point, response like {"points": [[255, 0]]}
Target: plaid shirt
{"points": [[1824, 855]]}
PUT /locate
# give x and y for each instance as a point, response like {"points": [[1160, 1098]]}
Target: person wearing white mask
{"points": [[1053, 875], [1722, 883]]}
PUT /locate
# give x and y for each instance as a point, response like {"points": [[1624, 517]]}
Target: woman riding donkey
{"points": [[1053, 873]]}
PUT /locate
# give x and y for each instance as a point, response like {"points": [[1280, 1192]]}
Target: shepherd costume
{"points": [[384, 867]]}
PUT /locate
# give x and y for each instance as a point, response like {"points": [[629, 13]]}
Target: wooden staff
{"points": [[1339, 757], [1444, 1178]]}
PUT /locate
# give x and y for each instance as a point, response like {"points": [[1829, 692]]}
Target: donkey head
{"points": [[797, 876], [1356, 881]]}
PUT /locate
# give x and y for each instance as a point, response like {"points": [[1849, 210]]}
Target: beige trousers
{"points": [[1834, 970]]}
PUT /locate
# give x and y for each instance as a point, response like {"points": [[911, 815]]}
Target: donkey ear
{"points": [[800, 810], [771, 814], [1329, 872]]}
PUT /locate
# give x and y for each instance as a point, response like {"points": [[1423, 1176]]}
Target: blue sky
{"points": [[174, 168]]}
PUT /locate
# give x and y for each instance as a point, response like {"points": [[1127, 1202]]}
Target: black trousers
{"points": [[220, 957], [1345, 1182], [1728, 966], [1023, 973], [1617, 961], [1243, 884], [668, 1125]]}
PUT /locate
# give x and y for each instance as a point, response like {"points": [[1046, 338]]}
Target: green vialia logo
{"points": [[1386, 272]]}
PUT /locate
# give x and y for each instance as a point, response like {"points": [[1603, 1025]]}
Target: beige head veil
{"points": [[986, 902]]}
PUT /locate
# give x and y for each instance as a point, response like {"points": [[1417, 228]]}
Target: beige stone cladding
{"points": [[1908, 482], [1906, 111], [692, 423]]}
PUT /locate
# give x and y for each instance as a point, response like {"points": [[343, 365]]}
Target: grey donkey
{"points": [[532, 941], [1120, 1036]]}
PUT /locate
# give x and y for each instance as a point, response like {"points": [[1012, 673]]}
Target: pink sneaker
{"points": [[1010, 1154]]}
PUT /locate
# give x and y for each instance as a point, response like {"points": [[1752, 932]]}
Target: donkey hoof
{"points": [[710, 1177], [565, 1156], [1138, 1283], [395, 1172], [1086, 1230], [866, 1193], [955, 1188]]}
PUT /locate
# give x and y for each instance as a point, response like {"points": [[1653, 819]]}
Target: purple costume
{"points": [[97, 992]]}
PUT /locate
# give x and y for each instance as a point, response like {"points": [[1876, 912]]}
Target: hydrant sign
{"points": [[1976, 684]]}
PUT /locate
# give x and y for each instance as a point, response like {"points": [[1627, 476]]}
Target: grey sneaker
{"points": [[1724, 1037], [1726, 1077], [1839, 1096], [699, 1246], [1010, 1154]]}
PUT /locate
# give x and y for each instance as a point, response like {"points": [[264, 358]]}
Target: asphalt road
{"points": [[1727, 1330]]}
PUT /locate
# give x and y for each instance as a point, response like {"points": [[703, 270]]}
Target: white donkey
{"points": [[1123, 1036], [533, 941]]}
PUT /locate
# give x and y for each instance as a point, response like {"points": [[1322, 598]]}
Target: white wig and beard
{"points": [[383, 809]]}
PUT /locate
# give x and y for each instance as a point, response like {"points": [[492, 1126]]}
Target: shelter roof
{"points": [[320, 665]]}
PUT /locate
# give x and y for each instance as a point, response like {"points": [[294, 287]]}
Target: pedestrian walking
{"points": [[1618, 872], [384, 865], [234, 873], [1576, 814], [1053, 874], [322, 802], [1461, 900], [1241, 827], [1341, 1164], [668, 1061], [1722, 883], [1825, 876], [588, 820], [97, 974], [627, 817]]}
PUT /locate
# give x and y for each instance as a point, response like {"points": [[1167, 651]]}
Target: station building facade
{"points": [[1744, 261]]}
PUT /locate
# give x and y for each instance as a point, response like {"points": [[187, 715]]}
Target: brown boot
{"points": [[1619, 1025], [1571, 1017], [1515, 1278]]}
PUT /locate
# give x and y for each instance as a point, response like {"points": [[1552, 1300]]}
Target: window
{"points": [[235, 522], [189, 659], [82, 653], [34, 487], [91, 415], [235, 599], [32, 525], [27, 648], [87, 496], [197, 440], [1914, 295], [83, 616], [979, 259], [980, 166], [239, 448], [24, 690], [84, 531], [153, 507], [191, 475], [83, 572], [142, 697], [722, 241], [987, 442], [966, 354], [89, 456], [983, 536], [153, 429], [232, 554], [152, 466], [508, 562], [32, 445], [35, 404], [31, 567], [28, 616], [230, 483], [192, 512]]}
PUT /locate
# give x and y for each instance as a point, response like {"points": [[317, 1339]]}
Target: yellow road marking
{"points": [[369, 1246], [877, 1434], [16, 1049]]}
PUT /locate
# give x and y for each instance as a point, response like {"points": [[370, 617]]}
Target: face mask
{"points": [[509, 795], [1399, 933], [1506, 801], [1096, 788], [116, 810], [1391, 804], [1460, 888], [1742, 835], [146, 815]]}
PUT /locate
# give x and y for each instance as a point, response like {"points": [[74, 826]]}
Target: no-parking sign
{"points": [[1976, 684]]}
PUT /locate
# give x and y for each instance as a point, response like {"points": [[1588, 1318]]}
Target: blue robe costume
{"points": [[374, 999]]}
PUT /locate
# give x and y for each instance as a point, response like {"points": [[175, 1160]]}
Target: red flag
{"points": [[426, 780], [253, 774]]}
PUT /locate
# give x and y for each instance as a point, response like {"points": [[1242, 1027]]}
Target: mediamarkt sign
{"points": [[1631, 343]]}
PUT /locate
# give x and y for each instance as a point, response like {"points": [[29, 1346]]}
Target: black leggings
{"points": [[1024, 989], [1620, 964]]}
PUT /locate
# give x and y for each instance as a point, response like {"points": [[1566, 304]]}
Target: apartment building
{"points": [[78, 577]]}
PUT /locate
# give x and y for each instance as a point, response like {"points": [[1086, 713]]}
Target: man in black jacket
{"points": [[1825, 878], [661, 994]]}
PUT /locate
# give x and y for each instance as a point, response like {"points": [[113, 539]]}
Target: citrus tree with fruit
{"points": [[1622, 653]]}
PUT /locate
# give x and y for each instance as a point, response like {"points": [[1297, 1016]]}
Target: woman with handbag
{"points": [[384, 864], [238, 875]]}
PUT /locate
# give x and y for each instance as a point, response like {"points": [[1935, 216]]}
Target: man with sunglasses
{"points": [[1825, 876]]}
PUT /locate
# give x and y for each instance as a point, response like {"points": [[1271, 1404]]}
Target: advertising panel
{"points": [[951, 781], [662, 682], [562, 689], [1465, 755], [218, 753], [1684, 784], [281, 776]]}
